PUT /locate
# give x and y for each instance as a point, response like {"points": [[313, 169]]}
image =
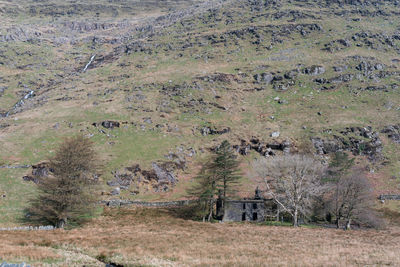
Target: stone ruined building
{"points": [[255, 209]]}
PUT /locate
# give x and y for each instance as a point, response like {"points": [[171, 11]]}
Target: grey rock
{"points": [[164, 175], [340, 68], [116, 191], [212, 131], [352, 139], [275, 134], [147, 120], [265, 78], [122, 180], [392, 132], [56, 126], [110, 124], [291, 74], [342, 78], [314, 70]]}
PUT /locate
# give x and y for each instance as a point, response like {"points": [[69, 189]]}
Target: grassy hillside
{"points": [[165, 70]]}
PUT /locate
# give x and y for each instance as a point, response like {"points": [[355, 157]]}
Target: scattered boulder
{"points": [[107, 124], [291, 74], [39, 172], [342, 78], [116, 191], [110, 124], [213, 131], [392, 132], [340, 68], [282, 146], [28, 178], [265, 78], [314, 70], [147, 120], [275, 134]]}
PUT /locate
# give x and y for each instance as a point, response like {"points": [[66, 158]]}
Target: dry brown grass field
{"points": [[157, 237]]}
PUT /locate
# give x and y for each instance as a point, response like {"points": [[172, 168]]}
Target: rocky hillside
{"points": [[158, 84]]}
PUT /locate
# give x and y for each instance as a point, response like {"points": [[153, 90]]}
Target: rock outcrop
{"points": [[160, 177], [358, 140], [262, 147], [393, 132], [39, 171]]}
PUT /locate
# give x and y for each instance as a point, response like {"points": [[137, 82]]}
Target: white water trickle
{"points": [[21, 102], [88, 64]]}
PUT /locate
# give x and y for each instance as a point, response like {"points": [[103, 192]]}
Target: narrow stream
{"points": [[20, 103]]}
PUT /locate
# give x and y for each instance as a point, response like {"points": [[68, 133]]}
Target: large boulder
{"points": [[110, 124], [265, 78]]}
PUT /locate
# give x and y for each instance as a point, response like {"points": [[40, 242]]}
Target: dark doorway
{"points": [[255, 216], [243, 216]]}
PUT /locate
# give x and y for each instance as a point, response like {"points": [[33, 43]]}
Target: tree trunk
{"points": [[211, 210], [277, 214], [61, 223], [224, 198], [337, 223], [348, 224], [204, 211], [295, 218]]}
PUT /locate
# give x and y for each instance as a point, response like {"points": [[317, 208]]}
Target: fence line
{"points": [[389, 197], [28, 228], [15, 166], [5, 264], [119, 203]]}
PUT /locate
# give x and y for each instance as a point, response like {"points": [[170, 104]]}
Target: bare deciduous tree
{"points": [[352, 199], [293, 181], [68, 195]]}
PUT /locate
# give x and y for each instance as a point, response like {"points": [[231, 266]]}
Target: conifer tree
{"points": [[220, 172], [226, 169], [337, 171], [205, 189]]}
